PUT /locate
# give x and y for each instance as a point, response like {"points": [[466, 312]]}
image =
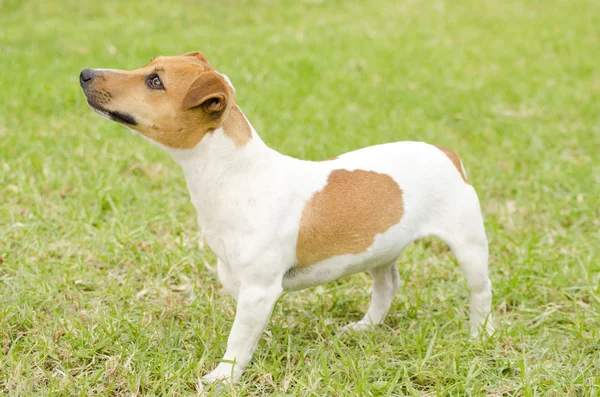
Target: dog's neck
{"points": [[230, 152]]}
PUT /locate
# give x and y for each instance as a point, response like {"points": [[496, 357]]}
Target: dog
{"points": [[279, 224]]}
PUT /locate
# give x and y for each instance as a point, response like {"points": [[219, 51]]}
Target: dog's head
{"points": [[174, 101]]}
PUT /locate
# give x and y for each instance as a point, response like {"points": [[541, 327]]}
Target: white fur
{"points": [[249, 202]]}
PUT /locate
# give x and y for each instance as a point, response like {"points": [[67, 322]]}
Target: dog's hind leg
{"points": [[386, 281], [473, 260], [462, 229]]}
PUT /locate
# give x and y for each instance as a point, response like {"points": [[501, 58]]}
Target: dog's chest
{"points": [[240, 221]]}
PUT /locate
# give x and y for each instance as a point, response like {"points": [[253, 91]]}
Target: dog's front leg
{"points": [[254, 306]]}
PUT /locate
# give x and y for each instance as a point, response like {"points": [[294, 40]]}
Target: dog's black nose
{"points": [[86, 76]]}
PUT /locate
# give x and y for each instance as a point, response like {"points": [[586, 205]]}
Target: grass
{"points": [[103, 290]]}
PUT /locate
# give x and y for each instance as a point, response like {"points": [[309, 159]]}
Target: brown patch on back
{"points": [[237, 127], [455, 160], [347, 214]]}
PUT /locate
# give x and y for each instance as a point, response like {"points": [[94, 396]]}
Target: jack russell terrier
{"points": [[277, 223]]}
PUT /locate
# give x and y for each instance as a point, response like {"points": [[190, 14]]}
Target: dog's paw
{"points": [[224, 372], [355, 327]]}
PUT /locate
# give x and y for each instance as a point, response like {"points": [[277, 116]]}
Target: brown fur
{"points": [[455, 160], [347, 214], [209, 91], [196, 101], [237, 127], [197, 54]]}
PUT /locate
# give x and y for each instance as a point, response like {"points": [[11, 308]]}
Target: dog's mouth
{"points": [[122, 117], [113, 115]]}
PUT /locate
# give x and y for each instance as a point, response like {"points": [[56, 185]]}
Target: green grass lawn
{"points": [[103, 290]]}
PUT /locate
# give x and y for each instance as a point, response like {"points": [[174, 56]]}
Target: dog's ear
{"points": [[197, 54], [209, 91]]}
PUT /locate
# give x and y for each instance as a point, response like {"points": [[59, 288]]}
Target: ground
{"points": [[104, 291]]}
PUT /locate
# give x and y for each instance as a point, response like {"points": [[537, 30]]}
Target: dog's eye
{"points": [[153, 81]]}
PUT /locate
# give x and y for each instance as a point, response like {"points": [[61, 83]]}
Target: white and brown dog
{"points": [[277, 223]]}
